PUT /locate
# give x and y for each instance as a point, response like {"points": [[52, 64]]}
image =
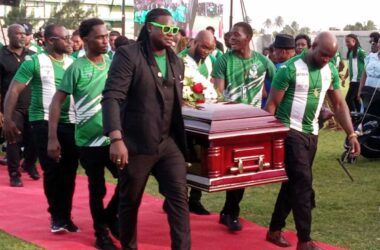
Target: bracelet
{"points": [[352, 135], [116, 139]]}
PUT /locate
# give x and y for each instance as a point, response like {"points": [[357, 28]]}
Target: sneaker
{"points": [[69, 226], [15, 180], [196, 207], [104, 242], [57, 226], [232, 222]]}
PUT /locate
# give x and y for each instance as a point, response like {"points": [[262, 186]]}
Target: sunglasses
{"points": [[166, 28]]}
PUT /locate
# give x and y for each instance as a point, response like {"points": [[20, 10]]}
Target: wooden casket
{"points": [[233, 146]]}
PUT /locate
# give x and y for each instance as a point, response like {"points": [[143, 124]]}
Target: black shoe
{"points": [[113, 226], [196, 207], [232, 222], [104, 242], [69, 226], [33, 173], [15, 180], [57, 226]]}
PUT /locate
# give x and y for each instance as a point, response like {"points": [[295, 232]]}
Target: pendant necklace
{"points": [[315, 84]]}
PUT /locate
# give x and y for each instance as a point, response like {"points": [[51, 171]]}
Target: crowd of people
{"points": [[108, 102]]}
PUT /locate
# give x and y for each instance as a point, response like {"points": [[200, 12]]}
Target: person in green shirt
{"points": [[240, 75], [198, 59], [355, 56], [43, 72], [85, 80], [296, 97]]}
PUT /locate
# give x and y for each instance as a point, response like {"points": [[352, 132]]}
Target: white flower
{"points": [[186, 92]]}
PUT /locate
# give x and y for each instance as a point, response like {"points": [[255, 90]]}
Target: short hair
{"points": [[114, 33], [86, 26], [49, 30], [246, 27], [304, 36], [76, 33], [375, 35], [121, 40], [210, 28]]}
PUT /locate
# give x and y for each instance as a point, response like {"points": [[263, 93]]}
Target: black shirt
{"points": [[9, 63]]}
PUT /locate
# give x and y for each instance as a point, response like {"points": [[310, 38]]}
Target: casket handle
{"points": [[239, 168], [262, 164]]}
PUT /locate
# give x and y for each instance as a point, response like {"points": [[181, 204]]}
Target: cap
{"points": [[284, 41], [28, 28]]}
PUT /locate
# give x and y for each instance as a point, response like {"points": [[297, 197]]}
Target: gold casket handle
{"points": [[240, 166]]}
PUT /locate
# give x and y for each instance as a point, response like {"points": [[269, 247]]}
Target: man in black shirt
{"points": [[11, 57]]}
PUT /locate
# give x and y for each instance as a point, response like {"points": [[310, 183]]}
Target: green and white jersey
{"points": [[305, 89], [336, 59], [204, 66], [356, 65], [78, 53], [44, 74], [85, 81], [35, 48], [244, 78]]}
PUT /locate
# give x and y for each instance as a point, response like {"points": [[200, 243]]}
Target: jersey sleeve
{"points": [[220, 68], [26, 71], [282, 78]]}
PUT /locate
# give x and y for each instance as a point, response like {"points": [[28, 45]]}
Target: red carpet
{"points": [[23, 214]]}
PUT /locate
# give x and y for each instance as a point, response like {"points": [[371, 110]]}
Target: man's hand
{"points": [[54, 149], [119, 153], [355, 146], [10, 131]]}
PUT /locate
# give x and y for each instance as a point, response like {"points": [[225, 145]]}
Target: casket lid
{"points": [[214, 118]]}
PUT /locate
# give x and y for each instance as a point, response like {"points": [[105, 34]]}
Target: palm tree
{"points": [[279, 22], [268, 23]]}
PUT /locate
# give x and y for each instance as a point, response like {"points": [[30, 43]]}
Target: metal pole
{"points": [[231, 12], [123, 18]]}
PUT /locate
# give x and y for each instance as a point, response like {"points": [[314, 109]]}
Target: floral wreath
{"points": [[197, 89]]}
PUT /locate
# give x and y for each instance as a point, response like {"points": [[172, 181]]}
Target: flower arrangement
{"points": [[197, 89]]}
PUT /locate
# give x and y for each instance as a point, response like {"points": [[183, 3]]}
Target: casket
{"points": [[233, 146]]}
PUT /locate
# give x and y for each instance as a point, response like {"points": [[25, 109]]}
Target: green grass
{"points": [[347, 213]]}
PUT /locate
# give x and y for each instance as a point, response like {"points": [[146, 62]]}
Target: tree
{"points": [[70, 15], [18, 14], [370, 25], [268, 23], [279, 22]]}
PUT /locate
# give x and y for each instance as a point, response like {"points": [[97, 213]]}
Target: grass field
{"points": [[347, 213]]}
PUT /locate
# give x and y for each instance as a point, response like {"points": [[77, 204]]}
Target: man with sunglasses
{"points": [[43, 72], [143, 118]]}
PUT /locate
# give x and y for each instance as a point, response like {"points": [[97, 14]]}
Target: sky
{"points": [[317, 15]]}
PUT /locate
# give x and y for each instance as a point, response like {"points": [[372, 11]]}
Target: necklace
{"points": [[57, 61], [315, 84], [101, 66]]}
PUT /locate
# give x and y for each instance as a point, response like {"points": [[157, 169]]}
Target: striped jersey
{"points": [[85, 81], [43, 74], [305, 89], [356, 65], [244, 78]]}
